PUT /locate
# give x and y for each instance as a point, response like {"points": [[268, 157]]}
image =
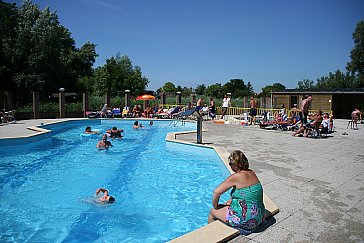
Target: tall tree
{"points": [[356, 65], [40, 52], [200, 89], [274, 87], [336, 80], [215, 90], [8, 24], [117, 75], [237, 88], [305, 84], [186, 92], [169, 87]]}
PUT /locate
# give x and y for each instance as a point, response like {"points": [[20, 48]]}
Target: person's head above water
{"points": [[88, 129], [136, 123], [110, 199]]}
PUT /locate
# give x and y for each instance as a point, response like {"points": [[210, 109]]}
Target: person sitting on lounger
{"points": [[104, 144], [315, 119], [137, 111], [106, 198], [245, 209], [89, 131]]}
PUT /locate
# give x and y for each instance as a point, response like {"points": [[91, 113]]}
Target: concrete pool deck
{"points": [[316, 183]]}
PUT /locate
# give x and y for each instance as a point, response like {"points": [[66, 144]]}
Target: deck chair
{"points": [[116, 112], [165, 114], [126, 112], [185, 114]]}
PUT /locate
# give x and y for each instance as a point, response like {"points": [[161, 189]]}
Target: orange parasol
{"points": [[145, 97]]}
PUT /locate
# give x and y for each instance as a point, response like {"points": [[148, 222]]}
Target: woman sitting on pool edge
{"points": [[89, 131], [106, 198], [245, 209]]}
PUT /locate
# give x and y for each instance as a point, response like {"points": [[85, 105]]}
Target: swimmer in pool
{"points": [[106, 198], [89, 131], [103, 143], [137, 125]]}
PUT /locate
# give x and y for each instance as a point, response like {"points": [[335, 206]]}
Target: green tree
{"points": [[237, 88], [336, 80], [274, 87], [117, 75], [186, 92], [37, 53], [42, 49], [215, 90], [305, 84], [169, 87], [200, 89], [8, 23], [356, 65]]}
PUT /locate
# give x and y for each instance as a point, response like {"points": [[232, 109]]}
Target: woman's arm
{"points": [[222, 188]]}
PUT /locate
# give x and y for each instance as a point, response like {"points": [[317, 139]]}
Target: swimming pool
{"points": [[162, 190]]}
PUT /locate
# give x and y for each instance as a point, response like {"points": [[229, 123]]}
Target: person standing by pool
{"points": [[212, 110], [199, 104], [103, 143], [305, 106], [253, 110], [245, 209], [225, 106], [106, 198]]}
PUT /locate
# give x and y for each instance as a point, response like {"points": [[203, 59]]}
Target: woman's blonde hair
{"points": [[238, 158]]}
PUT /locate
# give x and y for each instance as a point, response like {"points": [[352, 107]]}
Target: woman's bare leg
{"points": [[217, 214]]}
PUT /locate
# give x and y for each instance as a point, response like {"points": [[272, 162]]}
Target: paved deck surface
{"points": [[318, 184]]}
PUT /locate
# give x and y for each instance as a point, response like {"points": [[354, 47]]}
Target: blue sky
{"points": [[193, 42]]}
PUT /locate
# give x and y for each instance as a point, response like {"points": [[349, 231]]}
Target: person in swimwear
{"points": [[253, 110], [103, 143], [106, 198], [245, 209], [89, 131], [137, 125], [116, 133]]}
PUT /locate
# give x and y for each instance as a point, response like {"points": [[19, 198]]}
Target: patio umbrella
{"points": [[145, 97]]}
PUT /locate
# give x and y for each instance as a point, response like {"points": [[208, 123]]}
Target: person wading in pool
{"points": [[89, 131], [103, 144], [106, 198]]}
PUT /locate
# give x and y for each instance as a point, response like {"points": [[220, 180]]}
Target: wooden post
{"points": [[107, 99], [178, 98], [85, 104], [193, 101], [127, 98], [36, 105], [62, 109], [199, 127]]}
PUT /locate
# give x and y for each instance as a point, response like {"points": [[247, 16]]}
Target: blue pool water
{"points": [[163, 190]]}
